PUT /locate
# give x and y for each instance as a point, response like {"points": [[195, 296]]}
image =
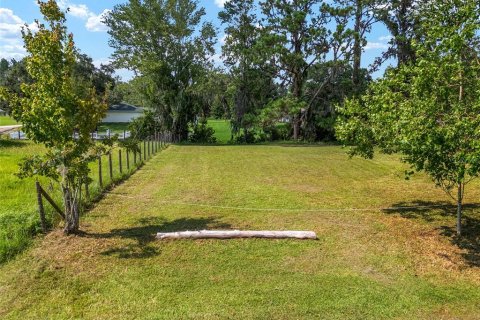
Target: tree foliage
{"points": [[52, 112], [429, 111], [167, 43]]}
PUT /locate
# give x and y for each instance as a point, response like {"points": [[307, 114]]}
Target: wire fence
{"points": [[108, 170]]}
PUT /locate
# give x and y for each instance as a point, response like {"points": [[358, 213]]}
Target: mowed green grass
{"points": [[5, 121], [366, 264], [19, 219], [223, 131], [115, 127]]}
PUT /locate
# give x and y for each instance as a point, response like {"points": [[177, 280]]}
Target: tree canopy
{"points": [[168, 44], [54, 112], [428, 110]]}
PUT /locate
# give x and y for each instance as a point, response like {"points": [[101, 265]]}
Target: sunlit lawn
{"points": [[369, 263], [223, 131], [19, 219], [6, 121]]}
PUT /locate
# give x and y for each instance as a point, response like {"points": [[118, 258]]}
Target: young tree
{"points": [[52, 113], [167, 43], [428, 111]]}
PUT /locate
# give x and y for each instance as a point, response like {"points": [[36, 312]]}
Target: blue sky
{"points": [[85, 21]]}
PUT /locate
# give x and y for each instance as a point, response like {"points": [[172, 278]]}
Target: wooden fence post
{"points": [[87, 191], [41, 210], [100, 178], [120, 160], [144, 150], [110, 166], [135, 157], [128, 160]]}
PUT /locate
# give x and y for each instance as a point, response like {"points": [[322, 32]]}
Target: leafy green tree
{"points": [[213, 96], [252, 84], [12, 79], [429, 111], [102, 79], [132, 91], [294, 37], [144, 127], [402, 20], [53, 114], [362, 14], [166, 42], [4, 65], [326, 92]]}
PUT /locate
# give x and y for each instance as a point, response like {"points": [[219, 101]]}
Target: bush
{"points": [[277, 132], [202, 133], [144, 126], [246, 138]]}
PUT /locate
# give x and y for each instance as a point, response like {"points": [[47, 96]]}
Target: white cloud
{"points": [[223, 39], [80, 11], [216, 59], [7, 16], [220, 3], [99, 62], [385, 38], [376, 45], [11, 44], [95, 22]]}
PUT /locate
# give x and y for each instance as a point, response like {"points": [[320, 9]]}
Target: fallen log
{"points": [[231, 234]]}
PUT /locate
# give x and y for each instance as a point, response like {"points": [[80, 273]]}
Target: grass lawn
{"points": [[5, 121], [18, 203], [223, 132], [114, 127], [367, 264]]}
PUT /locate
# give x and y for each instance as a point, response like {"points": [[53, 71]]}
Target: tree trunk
{"points": [[459, 209], [296, 127], [231, 234], [357, 47], [72, 212]]}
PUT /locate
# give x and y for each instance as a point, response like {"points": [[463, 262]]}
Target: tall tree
{"points": [[295, 37], [101, 78], [429, 110], [14, 76], [51, 112], [252, 83], [361, 12], [165, 41], [402, 20]]}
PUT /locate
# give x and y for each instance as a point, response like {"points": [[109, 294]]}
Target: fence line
{"points": [[99, 136], [92, 191]]}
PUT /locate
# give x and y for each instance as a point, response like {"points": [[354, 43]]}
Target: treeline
{"points": [[14, 73], [287, 64]]}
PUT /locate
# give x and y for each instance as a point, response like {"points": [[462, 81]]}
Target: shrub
{"points": [[202, 133]]}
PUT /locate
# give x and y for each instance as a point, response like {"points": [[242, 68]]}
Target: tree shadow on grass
{"points": [[6, 143], [145, 233], [443, 214]]}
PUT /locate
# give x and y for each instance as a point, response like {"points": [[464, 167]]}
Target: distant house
{"points": [[3, 112], [123, 112]]}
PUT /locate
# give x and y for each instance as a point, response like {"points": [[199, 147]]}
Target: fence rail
{"points": [[115, 166], [20, 135]]}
